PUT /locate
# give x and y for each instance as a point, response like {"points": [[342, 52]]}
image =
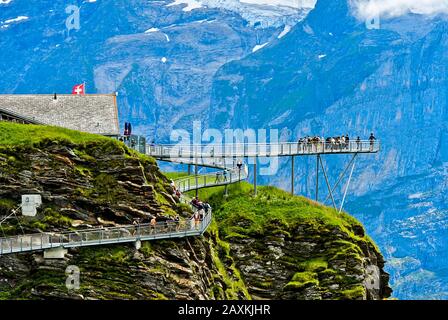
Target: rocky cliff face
{"points": [[306, 252], [101, 184], [288, 247]]}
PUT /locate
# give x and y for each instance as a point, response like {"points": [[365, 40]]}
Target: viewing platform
{"points": [[244, 150]]}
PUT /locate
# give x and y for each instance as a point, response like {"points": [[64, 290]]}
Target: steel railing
{"points": [[214, 151], [220, 178], [81, 238]]}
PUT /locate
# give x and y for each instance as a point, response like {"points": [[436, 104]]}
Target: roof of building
{"points": [[13, 116], [94, 113]]}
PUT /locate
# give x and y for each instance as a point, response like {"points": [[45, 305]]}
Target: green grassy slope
{"points": [[19, 134]]}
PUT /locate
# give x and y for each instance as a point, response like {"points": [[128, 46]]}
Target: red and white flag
{"points": [[79, 89]]}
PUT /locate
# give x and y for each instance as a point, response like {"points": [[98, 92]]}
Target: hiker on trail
{"points": [[372, 141]]}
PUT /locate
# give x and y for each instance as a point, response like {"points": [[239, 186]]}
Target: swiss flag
{"points": [[79, 89]]}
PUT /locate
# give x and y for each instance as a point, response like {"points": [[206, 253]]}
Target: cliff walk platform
{"points": [[229, 160]]}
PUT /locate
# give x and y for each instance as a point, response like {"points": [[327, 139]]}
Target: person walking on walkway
{"points": [[218, 177], [153, 224], [177, 222], [197, 219], [372, 141]]}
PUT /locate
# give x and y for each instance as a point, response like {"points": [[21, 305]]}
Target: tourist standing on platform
{"points": [[197, 219], [358, 143], [153, 224], [372, 141], [127, 130]]}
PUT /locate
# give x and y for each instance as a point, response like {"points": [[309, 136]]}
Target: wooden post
{"points": [[292, 175]]}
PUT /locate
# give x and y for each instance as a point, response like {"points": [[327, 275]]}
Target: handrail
{"points": [[98, 236], [219, 178], [220, 151], [172, 229]]}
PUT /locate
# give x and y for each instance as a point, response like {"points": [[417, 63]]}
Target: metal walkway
{"points": [[103, 236], [209, 154], [131, 233], [224, 158]]}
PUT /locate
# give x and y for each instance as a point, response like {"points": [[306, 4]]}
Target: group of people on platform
{"points": [[221, 176], [159, 224], [202, 209], [311, 143]]}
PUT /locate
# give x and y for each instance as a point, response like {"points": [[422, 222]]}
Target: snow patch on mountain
{"points": [[259, 13], [259, 46], [284, 32], [285, 3], [152, 30], [191, 4], [5, 24]]}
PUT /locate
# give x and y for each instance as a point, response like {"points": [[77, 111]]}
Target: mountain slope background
{"points": [[337, 77], [243, 65]]}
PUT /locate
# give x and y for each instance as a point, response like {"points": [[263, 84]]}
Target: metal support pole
{"points": [[226, 190], [317, 177], [292, 175], [255, 177], [346, 187], [196, 178], [341, 176], [328, 183], [189, 169]]}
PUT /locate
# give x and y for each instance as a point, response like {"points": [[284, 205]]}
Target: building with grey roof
{"points": [[93, 113]]}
